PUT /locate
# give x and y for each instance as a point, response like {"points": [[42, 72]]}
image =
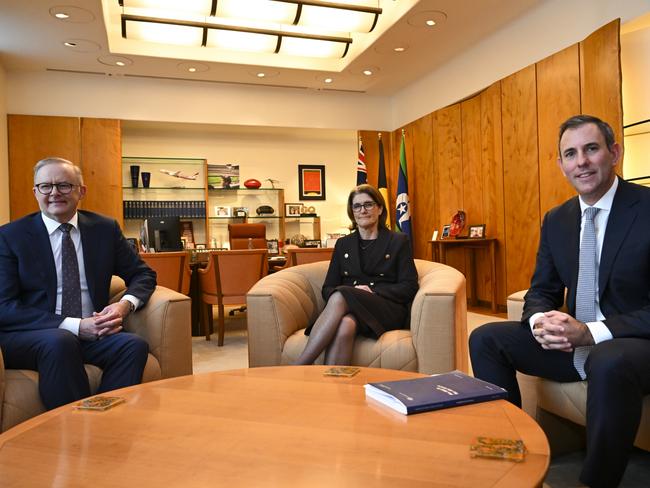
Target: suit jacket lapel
{"points": [[38, 236], [619, 224], [89, 243]]}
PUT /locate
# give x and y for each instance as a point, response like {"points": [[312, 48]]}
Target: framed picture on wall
{"points": [[311, 182]]}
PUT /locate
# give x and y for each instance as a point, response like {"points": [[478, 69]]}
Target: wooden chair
{"points": [[306, 255], [226, 280], [239, 235], [172, 269]]}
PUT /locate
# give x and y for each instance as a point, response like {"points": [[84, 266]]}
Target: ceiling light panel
{"points": [[312, 48], [198, 7], [336, 19], [179, 35], [241, 41], [262, 10]]}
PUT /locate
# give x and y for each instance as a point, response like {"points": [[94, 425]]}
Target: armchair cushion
{"points": [[283, 304], [164, 322], [566, 400]]}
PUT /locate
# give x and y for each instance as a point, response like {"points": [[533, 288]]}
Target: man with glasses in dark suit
{"points": [[55, 272]]}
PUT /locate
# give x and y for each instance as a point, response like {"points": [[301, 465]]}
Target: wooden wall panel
{"points": [[558, 98], [101, 162], [32, 138], [421, 186], [447, 157], [472, 176], [521, 177], [600, 78], [492, 185]]}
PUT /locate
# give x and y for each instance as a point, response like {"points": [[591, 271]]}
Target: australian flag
{"points": [[362, 172]]}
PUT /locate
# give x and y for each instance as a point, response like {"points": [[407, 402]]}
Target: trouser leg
{"points": [[121, 357], [499, 349], [618, 378], [57, 356]]}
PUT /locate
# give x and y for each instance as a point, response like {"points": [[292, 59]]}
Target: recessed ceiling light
{"points": [[120, 63], [266, 74], [61, 15], [399, 49], [70, 44], [261, 75], [192, 67], [367, 72], [69, 13], [328, 80], [112, 60], [427, 19]]}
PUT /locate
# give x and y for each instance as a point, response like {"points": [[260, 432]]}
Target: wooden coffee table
{"points": [[282, 426]]}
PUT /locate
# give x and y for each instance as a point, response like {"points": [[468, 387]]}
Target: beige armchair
{"points": [[552, 402], [165, 323], [282, 304]]}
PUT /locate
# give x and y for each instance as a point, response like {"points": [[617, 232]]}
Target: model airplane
{"points": [[272, 181], [178, 174]]}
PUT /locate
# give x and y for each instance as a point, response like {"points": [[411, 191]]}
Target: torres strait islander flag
{"points": [[402, 210], [362, 172]]}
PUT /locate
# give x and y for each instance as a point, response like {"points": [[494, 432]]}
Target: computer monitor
{"points": [[162, 234]]}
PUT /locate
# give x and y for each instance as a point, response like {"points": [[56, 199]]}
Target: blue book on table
{"points": [[433, 392]]}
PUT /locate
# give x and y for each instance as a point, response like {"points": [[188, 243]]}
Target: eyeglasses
{"points": [[62, 188], [356, 208]]}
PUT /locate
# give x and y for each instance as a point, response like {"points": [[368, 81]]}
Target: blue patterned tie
{"points": [[586, 291], [71, 295]]}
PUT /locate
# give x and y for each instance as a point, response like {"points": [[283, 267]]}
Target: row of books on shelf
{"points": [[143, 209]]}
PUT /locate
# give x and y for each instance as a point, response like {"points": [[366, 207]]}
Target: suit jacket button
{"points": [[372, 284], [355, 283], [381, 274], [346, 255], [387, 256], [345, 273]]}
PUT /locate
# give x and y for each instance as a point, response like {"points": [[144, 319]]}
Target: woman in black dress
{"points": [[369, 286]]}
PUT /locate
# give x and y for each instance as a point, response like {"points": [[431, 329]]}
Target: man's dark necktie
{"points": [[586, 291], [71, 296]]}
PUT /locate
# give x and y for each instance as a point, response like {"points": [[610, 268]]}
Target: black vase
{"points": [[135, 175], [146, 179]]}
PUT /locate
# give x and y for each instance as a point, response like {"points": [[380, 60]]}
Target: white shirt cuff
{"points": [[533, 318], [599, 332], [134, 300], [71, 324]]}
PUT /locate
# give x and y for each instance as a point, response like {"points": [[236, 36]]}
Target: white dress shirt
{"points": [[87, 308], [599, 330]]}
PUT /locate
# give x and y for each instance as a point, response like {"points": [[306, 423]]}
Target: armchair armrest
{"points": [[279, 305], [516, 305], [439, 319], [165, 323]]}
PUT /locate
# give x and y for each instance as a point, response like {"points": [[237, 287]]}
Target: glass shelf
{"points": [[175, 188], [166, 161], [242, 189]]}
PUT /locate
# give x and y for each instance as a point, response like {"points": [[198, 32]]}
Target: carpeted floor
{"points": [[563, 472]]}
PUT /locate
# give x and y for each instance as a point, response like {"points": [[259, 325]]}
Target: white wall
{"points": [[54, 93], [546, 29], [261, 153], [4, 150], [635, 65]]}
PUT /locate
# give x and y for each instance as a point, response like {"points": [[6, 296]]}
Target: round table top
{"points": [[277, 426]]}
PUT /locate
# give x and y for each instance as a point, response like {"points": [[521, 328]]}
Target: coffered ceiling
{"points": [[398, 51]]}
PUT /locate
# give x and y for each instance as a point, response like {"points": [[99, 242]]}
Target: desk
{"points": [[278, 426], [439, 254]]}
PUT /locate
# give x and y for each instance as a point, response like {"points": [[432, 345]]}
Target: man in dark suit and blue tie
{"points": [[55, 271], [596, 248]]}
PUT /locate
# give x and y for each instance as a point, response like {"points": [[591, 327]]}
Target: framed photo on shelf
{"points": [[446, 230], [222, 211], [223, 176], [272, 246], [476, 231], [292, 209], [311, 182], [312, 243], [240, 212]]}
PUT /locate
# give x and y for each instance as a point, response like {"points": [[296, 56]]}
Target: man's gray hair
{"points": [[54, 160]]}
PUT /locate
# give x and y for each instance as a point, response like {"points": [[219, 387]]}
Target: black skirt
{"points": [[374, 314]]}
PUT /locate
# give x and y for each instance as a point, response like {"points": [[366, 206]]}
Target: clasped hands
{"points": [[560, 331], [104, 323]]}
